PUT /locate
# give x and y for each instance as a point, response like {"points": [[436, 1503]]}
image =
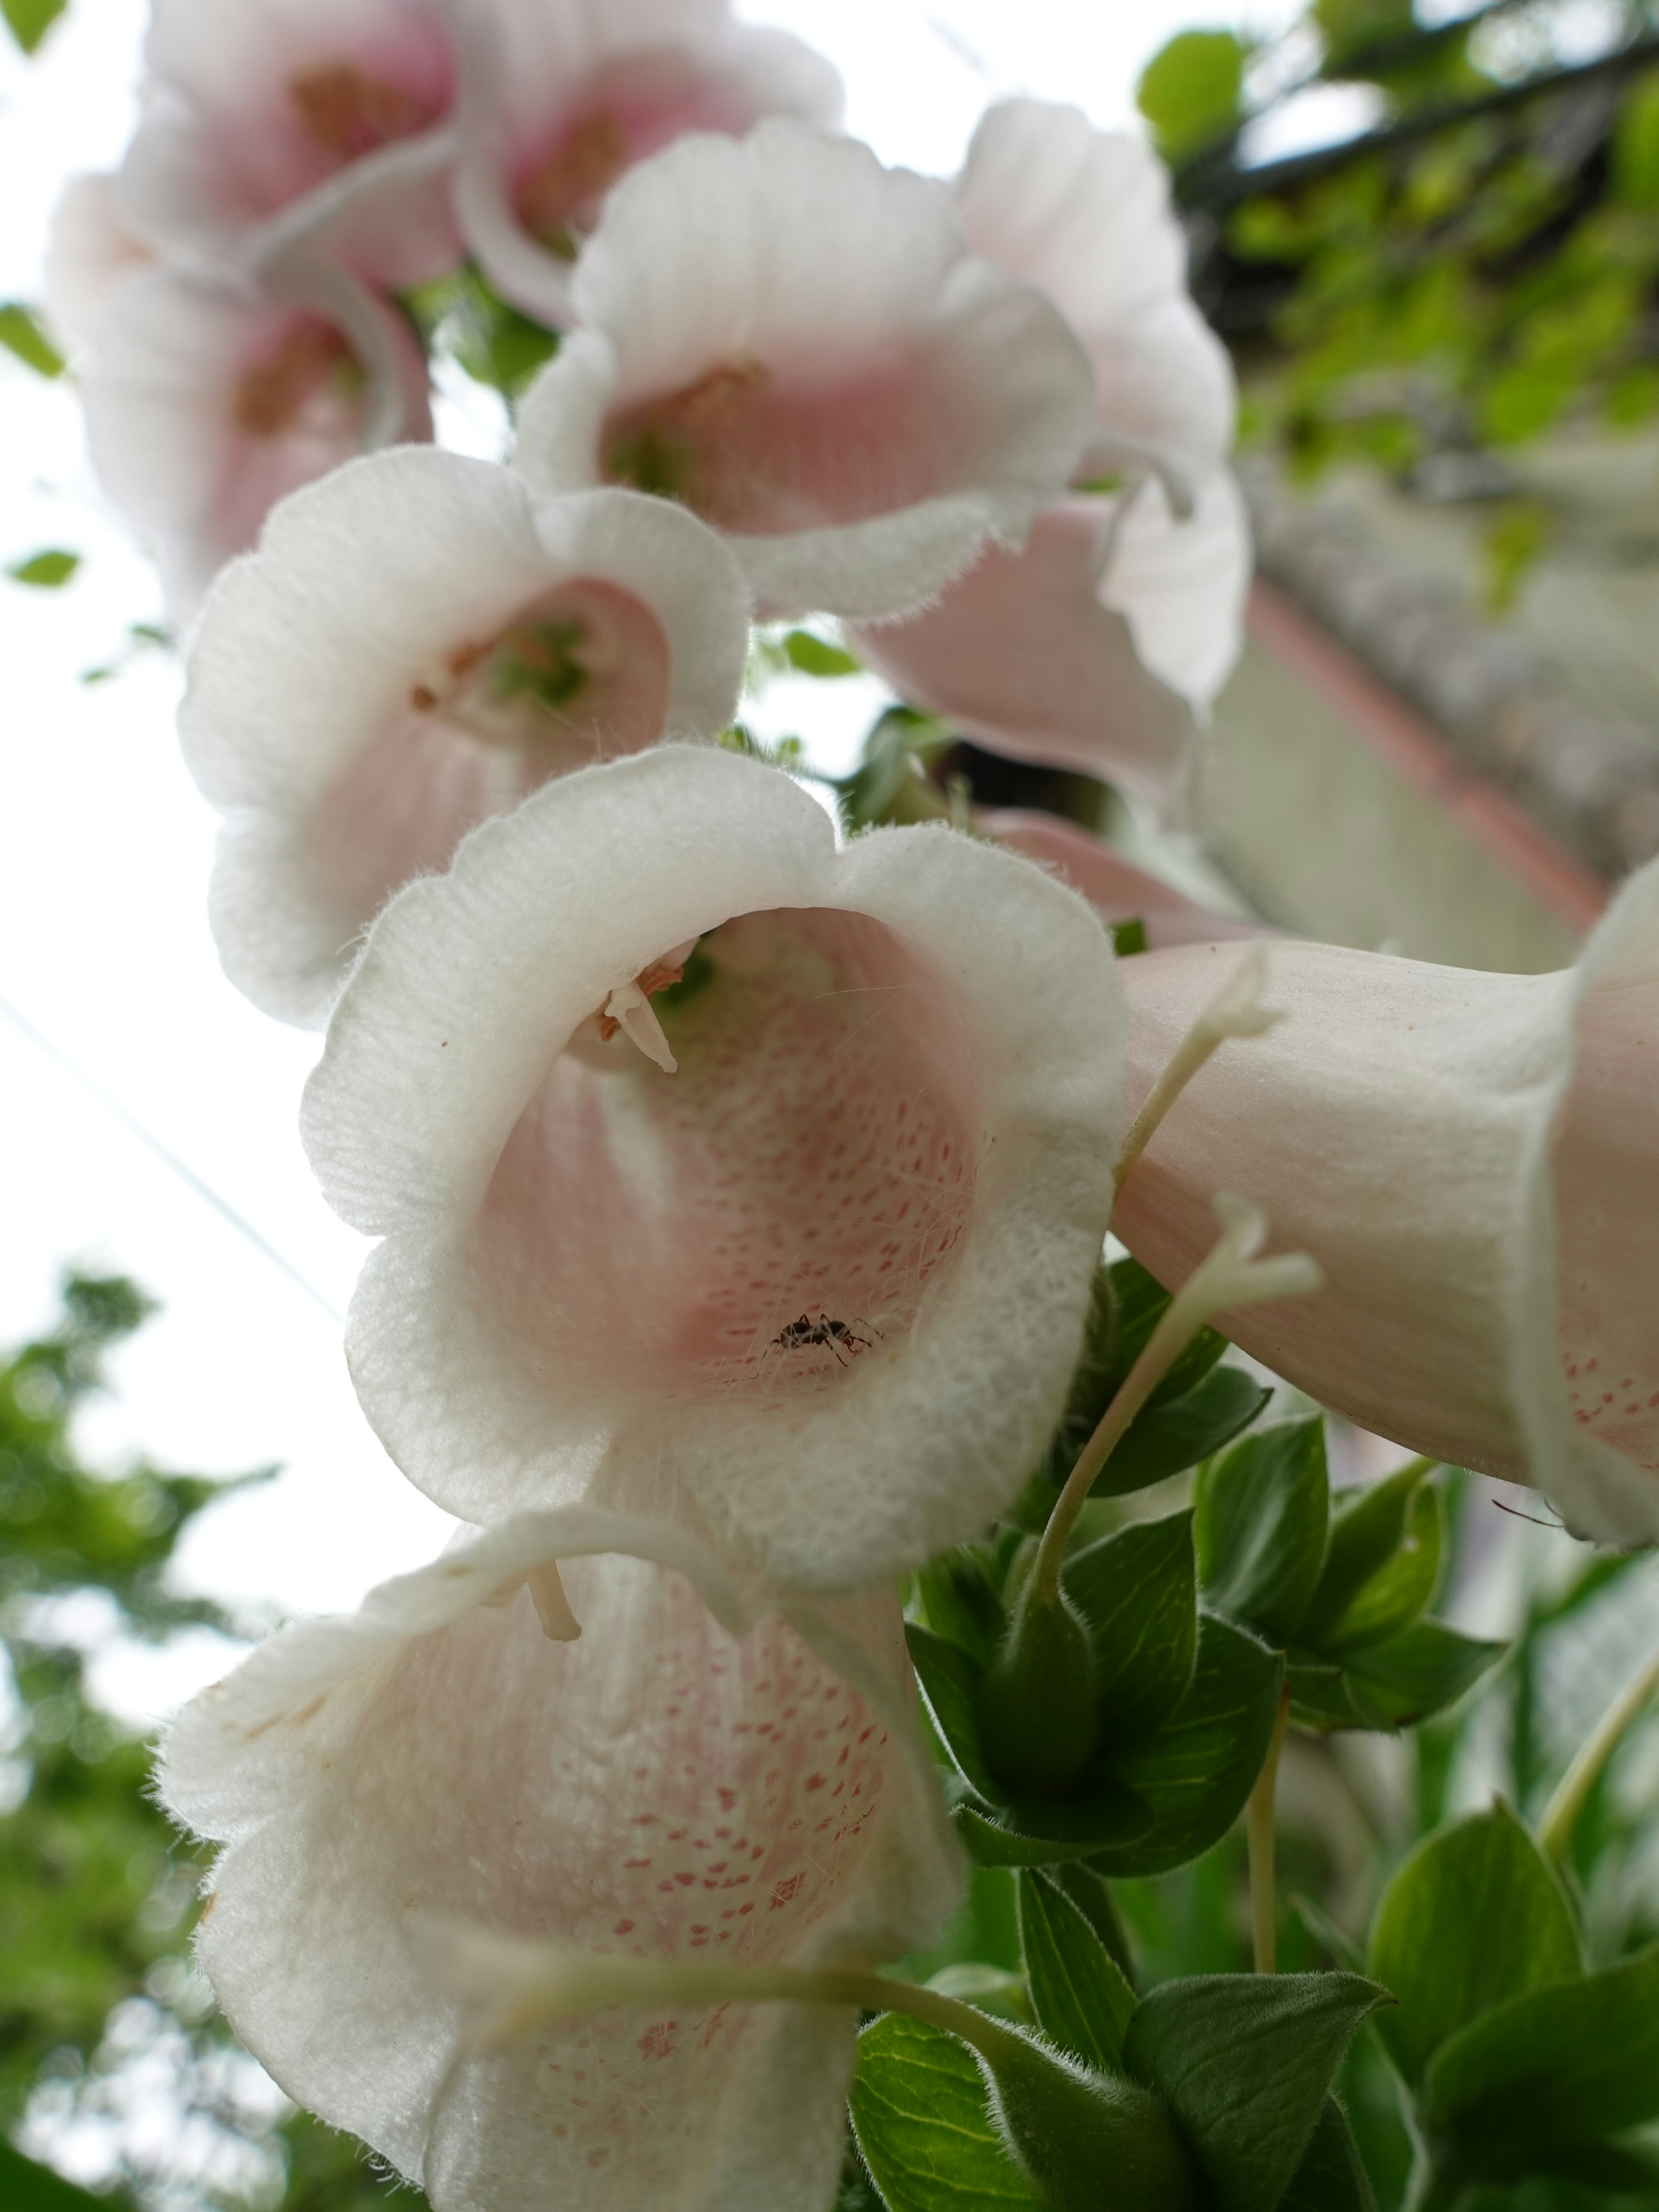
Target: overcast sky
{"points": [[103, 946]]}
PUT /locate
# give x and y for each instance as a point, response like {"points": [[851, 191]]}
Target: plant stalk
{"points": [[1258, 1832], [1561, 1813]]}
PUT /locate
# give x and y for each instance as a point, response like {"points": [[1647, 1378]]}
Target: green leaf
{"points": [[924, 2127], [1166, 1439], [46, 572], [1139, 1302], [816, 656], [1558, 2066], [1138, 1592], [1473, 1916], [30, 19], [1401, 1587], [1106, 1816], [1077, 1991], [1197, 1772], [1191, 91], [26, 2187], [1246, 2061], [1331, 2177], [22, 333], [961, 1602], [949, 1684], [1416, 1673], [1635, 144], [1128, 937], [1367, 1527], [1089, 1892], [1263, 1510]]}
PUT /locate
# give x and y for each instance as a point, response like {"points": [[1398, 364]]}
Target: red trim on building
{"points": [[1410, 744]]}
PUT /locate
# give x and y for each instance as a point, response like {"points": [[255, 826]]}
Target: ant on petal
{"points": [[836, 1334]]}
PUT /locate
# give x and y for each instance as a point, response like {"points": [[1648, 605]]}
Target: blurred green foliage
{"points": [[97, 1891]]}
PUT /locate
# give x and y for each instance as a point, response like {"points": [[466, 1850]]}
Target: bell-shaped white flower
{"points": [[90, 251], [818, 1290], [1028, 651], [1472, 1159], [205, 404], [1117, 889], [271, 122], [796, 344], [416, 645], [670, 1786], [560, 98]]}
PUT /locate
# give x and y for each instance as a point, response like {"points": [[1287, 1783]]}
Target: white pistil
{"points": [[546, 1590], [1236, 1010], [633, 1014]]}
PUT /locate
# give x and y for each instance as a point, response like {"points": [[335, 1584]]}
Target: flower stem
{"points": [[1561, 1813], [1236, 1010], [1258, 1832]]}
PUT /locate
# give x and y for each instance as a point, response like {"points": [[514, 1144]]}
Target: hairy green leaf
{"points": [[1367, 1526], [1262, 1513], [949, 1684], [1399, 1590], [1077, 1991], [924, 2127], [1138, 1592], [1166, 1438], [1331, 2177]]}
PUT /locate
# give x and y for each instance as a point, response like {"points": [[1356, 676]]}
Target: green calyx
{"points": [[1038, 1704], [1071, 2129]]}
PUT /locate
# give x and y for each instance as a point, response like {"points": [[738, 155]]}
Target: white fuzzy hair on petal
{"points": [[829, 1277], [796, 343], [677, 1783], [327, 714]]}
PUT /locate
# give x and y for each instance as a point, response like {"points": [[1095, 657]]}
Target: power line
{"points": [[170, 1159]]}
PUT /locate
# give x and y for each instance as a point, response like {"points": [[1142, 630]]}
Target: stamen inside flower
{"points": [[580, 672], [763, 448], [312, 375], [348, 113], [547, 1595]]}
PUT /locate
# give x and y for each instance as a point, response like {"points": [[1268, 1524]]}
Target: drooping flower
{"points": [[90, 251], [1472, 1159], [1155, 536], [672, 1785], [795, 343], [1116, 888], [275, 123], [206, 404], [820, 1290], [416, 645], [558, 100]]}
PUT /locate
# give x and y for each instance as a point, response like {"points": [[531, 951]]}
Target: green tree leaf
{"points": [[816, 656], [30, 19], [1138, 1592], [1475, 1916], [1077, 1991], [1191, 91], [1635, 144], [1262, 1513], [1246, 2061], [1367, 1527], [26, 2187], [1331, 2177], [1197, 1772], [924, 2127], [1556, 2067], [48, 571], [21, 332]]}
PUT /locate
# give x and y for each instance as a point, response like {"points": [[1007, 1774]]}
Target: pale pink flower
{"points": [[1472, 1159], [1085, 217], [560, 98], [815, 1281], [205, 404], [89, 251], [1116, 888], [272, 122], [416, 645], [795, 343], [672, 1785]]}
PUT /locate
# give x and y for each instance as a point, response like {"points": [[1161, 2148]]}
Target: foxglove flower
{"points": [[272, 123], [1116, 888], [457, 646], [560, 99], [797, 1252], [794, 343], [1084, 216], [672, 1785], [1473, 1160], [89, 253], [205, 404]]}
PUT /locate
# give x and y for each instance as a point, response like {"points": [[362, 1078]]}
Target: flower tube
{"points": [[679, 1783], [559, 99], [1471, 1159], [206, 404], [795, 343], [794, 1249], [277, 121], [1117, 889], [1122, 614], [462, 645]]}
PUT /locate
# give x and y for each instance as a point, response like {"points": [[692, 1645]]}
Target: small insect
{"points": [[840, 1339]]}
